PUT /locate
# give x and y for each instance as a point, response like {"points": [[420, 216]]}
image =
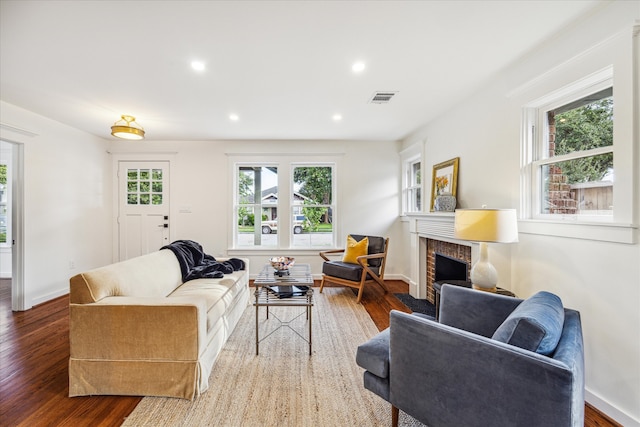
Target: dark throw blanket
{"points": [[195, 264]]}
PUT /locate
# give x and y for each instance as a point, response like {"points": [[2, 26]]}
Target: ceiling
{"points": [[283, 67]]}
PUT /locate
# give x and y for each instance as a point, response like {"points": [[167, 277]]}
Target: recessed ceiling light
{"points": [[337, 117], [234, 117], [197, 65], [358, 67]]}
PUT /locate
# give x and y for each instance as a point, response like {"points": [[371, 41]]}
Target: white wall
{"points": [[67, 203], [368, 175], [600, 279]]}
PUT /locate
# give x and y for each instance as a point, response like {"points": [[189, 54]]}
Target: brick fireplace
{"points": [[450, 249]]}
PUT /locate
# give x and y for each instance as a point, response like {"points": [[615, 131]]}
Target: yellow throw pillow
{"points": [[355, 249]]}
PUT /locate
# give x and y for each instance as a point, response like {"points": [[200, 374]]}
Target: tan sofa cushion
{"points": [[159, 271]]}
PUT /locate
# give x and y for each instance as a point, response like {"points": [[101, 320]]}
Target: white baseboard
{"points": [[49, 296], [610, 410]]}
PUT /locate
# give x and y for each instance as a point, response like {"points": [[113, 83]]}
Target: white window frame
{"points": [[612, 228], [409, 157], [256, 205], [285, 162], [411, 189], [540, 135], [331, 206]]}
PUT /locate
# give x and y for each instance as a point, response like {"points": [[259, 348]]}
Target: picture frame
{"points": [[444, 179]]}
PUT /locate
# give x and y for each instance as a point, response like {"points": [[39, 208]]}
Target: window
{"points": [[412, 194], [256, 210], [572, 166], [312, 206], [144, 186], [284, 205]]}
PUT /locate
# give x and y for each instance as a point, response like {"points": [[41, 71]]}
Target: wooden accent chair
{"points": [[369, 268]]}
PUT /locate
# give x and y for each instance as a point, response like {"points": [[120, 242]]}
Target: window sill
{"points": [[603, 232], [277, 251]]}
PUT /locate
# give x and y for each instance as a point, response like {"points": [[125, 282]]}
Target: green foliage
{"points": [[585, 128], [245, 185], [315, 183], [312, 215], [3, 174], [245, 216]]}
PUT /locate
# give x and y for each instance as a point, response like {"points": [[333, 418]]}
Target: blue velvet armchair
{"points": [[490, 360]]}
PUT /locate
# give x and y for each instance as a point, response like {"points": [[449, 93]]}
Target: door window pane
{"points": [[144, 187]]}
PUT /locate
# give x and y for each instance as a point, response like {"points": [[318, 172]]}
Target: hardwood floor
{"points": [[34, 354], [34, 382]]}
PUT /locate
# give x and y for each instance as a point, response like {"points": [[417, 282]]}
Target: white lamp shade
{"points": [[486, 225]]}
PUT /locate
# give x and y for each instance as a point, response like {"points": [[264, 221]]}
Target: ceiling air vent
{"points": [[382, 97]]}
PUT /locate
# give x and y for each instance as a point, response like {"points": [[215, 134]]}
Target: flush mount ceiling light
{"points": [[127, 128], [337, 117]]}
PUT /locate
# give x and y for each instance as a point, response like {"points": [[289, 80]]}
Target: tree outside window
{"points": [[256, 208], [577, 173], [312, 205]]}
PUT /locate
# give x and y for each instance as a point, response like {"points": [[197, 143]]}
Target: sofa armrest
{"points": [[134, 328], [474, 311], [435, 368]]}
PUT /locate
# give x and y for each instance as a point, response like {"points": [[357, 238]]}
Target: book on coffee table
{"points": [[288, 291]]}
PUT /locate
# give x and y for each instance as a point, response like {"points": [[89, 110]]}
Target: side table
{"points": [[437, 287]]}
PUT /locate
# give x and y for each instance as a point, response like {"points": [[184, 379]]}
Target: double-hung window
{"points": [[570, 174], [284, 204], [411, 159], [413, 188], [256, 208]]}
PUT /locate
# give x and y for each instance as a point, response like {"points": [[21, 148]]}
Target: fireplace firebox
{"points": [[450, 252], [449, 268]]}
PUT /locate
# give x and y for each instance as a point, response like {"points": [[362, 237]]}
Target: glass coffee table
{"points": [[278, 289]]}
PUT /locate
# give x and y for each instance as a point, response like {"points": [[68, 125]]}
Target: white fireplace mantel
{"points": [[438, 226]]}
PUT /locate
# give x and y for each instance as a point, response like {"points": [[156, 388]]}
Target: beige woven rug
{"points": [[284, 386]]}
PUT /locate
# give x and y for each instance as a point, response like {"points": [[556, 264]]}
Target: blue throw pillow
{"points": [[535, 325]]}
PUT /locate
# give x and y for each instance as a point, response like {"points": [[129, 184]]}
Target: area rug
{"points": [[284, 385], [417, 305]]}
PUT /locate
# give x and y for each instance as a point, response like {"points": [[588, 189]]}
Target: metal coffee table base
{"points": [[283, 324], [299, 275]]}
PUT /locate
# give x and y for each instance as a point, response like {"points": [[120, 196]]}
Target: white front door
{"points": [[143, 207]]}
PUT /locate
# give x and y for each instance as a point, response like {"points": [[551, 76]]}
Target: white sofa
{"points": [[136, 329]]}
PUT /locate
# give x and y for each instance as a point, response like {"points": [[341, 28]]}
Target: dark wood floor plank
{"points": [[34, 374]]}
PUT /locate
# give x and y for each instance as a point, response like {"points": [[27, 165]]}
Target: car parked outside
{"points": [[269, 227]]}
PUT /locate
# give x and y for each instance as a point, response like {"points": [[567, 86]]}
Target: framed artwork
{"points": [[444, 179]]}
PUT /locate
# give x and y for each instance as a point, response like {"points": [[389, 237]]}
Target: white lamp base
{"points": [[484, 275]]}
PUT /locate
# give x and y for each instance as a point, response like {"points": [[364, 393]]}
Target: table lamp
{"points": [[485, 226]]}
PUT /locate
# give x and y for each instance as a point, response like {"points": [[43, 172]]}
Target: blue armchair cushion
{"points": [[535, 325], [373, 355]]}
